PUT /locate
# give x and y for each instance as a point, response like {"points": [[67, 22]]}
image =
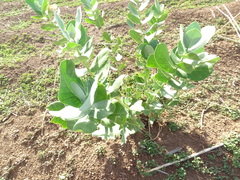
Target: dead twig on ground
{"points": [[186, 158]]}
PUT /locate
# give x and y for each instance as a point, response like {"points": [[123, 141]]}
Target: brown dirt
{"points": [[33, 148]]}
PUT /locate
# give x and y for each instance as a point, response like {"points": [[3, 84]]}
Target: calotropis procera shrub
{"points": [[92, 99]]}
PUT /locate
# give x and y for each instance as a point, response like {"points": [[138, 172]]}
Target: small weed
{"points": [[112, 160], [232, 144], [101, 151], [150, 147], [144, 167], [173, 126]]}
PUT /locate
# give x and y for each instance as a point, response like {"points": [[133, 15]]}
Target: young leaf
{"points": [[60, 24], [148, 17], [143, 5], [135, 36], [130, 24], [107, 37], [35, 6], [162, 58], [207, 33], [58, 120], [117, 83], [134, 19], [55, 106], [101, 64], [85, 125], [48, 27], [44, 6], [102, 109], [119, 116], [70, 84], [162, 76], [71, 29], [132, 9], [201, 72], [147, 50], [191, 38], [100, 93], [193, 25], [151, 62]]}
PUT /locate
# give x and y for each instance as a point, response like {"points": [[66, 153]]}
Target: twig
{"points": [[231, 19], [225, 104], [226, 23], [186, 158], [159, 130], [162, 172], [229, 39], [201, 119]]}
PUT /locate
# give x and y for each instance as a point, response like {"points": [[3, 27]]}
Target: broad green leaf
{"points": [[181, 48], [78, 24], [37, 17], [94, 5], [77, 90], [138, 79], [147, 51], [134, 19], [91, 88], [162, 76], [207, 33], [58, 120], [48, 27], [135, 36], [61, 25], [85, 39], [86, 3], [177, 84], [44, 7], [191, 38], [55, 106], [99, 22], [34, 6], [148, 17], [186, 67], [154, 43], [85, 125], [151, 62], [90, 21], [71, 29], [157, 8], [130, 24], [107, 122], [162, 58], [72, 46], [192, 56], [201, 72], [133, 9], [193, 25], [102, 109], [209, 58], [100, 93], [119, 116], [68, 92], [61, 42], [117, 83], [101, 64], [143, 5], [107, 37]]}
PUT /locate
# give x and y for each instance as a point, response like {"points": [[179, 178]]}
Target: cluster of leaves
{"points": [[91, 100]]}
